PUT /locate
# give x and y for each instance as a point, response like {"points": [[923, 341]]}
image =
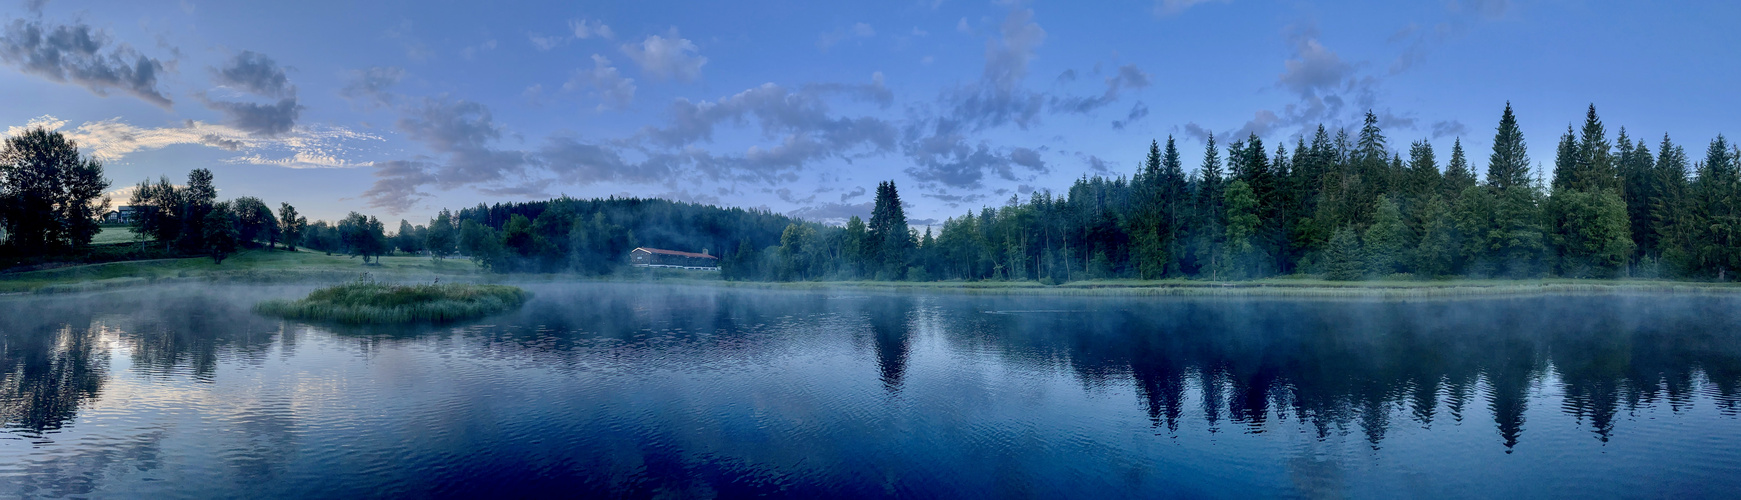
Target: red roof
{"points": [[677, 253]]}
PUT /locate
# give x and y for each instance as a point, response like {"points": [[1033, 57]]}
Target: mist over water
{"points": [[648, 390]]}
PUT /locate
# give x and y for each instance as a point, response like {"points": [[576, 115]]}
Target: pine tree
{"points": [[1566, 162], [1458, 175], [1596, 167], [888, 232], [1509, 165], [1640, 191]]}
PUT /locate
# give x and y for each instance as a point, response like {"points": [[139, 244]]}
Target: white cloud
{"points": [[614, 90], [1172, 7], [112, 140], [669, 56], [585, 28]]}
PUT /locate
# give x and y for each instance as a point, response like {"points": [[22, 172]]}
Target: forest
{"points": [[1334, 205]]}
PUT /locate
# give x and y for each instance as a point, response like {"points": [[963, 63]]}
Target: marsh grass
{"points": [[370, 302]]}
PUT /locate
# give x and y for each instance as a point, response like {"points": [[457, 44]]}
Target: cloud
{"points": [[837, 35], [1127, 76], [404, 33], [956, 161], [834, 214], [83, 56], [613, 90], [1452, 128], [669, 56], [578, 29], [472, 52], [1137, 112], [575, 162], [1007, 56], [856, 191], [1314, 68], [373, 86], [254, 73], [111, 140], [398, 184], [1095, 163], [800, 120], [1460, 17], [588, 28], [259, 119], [1165, 8]]}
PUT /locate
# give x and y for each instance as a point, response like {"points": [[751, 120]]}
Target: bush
{"points": [[364, 302]]}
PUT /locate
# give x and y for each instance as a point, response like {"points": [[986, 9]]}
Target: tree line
{"points": [[1335, 205]]}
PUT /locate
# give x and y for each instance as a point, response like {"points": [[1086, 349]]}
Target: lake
{"points": [[664, 391]]}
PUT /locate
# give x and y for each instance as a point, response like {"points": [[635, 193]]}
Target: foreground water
{"points": [[629, 390]]}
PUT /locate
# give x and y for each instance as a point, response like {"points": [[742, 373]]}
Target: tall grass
{"points": [[369, 302]]}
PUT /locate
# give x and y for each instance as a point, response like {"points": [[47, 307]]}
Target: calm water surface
{"points": [[643, 391]]}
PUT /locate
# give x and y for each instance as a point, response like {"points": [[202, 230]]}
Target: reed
{"points": [[370, 302]]}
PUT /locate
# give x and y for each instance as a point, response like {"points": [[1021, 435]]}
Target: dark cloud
{"points": [[83, 56], [1128, 76], [397, 184], [1451, 128], [801, 122], [575, 162], [373, 86], [1137, 112], [1314, 69], [463, 132], [1095, 162], [255, 73], [956, 162], [259, 119], [216, 141], [857, 191]]}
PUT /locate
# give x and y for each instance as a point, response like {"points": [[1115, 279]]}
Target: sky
{"points": [[401, 108]]}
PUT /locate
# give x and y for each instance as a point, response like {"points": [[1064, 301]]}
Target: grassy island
{"points": [[368, 302]]}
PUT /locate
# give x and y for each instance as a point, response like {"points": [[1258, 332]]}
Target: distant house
{"points": [[123, 214], [656, 257]]}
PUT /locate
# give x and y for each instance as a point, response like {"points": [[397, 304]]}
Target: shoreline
{"points": [[276, 267]]}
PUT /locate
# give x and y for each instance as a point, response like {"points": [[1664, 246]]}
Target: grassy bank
{"points": [[1273, 287], [252, 266], [262, 266], [369, 302]]}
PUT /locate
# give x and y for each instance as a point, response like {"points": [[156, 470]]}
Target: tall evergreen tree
{"points": [[1509, 164], [1458, 175], [888, 230]]}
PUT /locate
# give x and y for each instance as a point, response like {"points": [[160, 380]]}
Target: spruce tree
{"points": [[1596, 169], [1509, 164], [1566, 162], [888, 232], [1458, 175]]}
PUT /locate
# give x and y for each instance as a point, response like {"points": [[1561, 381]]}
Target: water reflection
{"points": [[1365, 369]]}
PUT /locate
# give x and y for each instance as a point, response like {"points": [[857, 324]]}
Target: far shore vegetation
{"points": [[372, 302], [1333, 211]]}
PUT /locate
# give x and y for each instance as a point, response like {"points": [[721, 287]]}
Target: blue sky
{"points": [[401, 108]]}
